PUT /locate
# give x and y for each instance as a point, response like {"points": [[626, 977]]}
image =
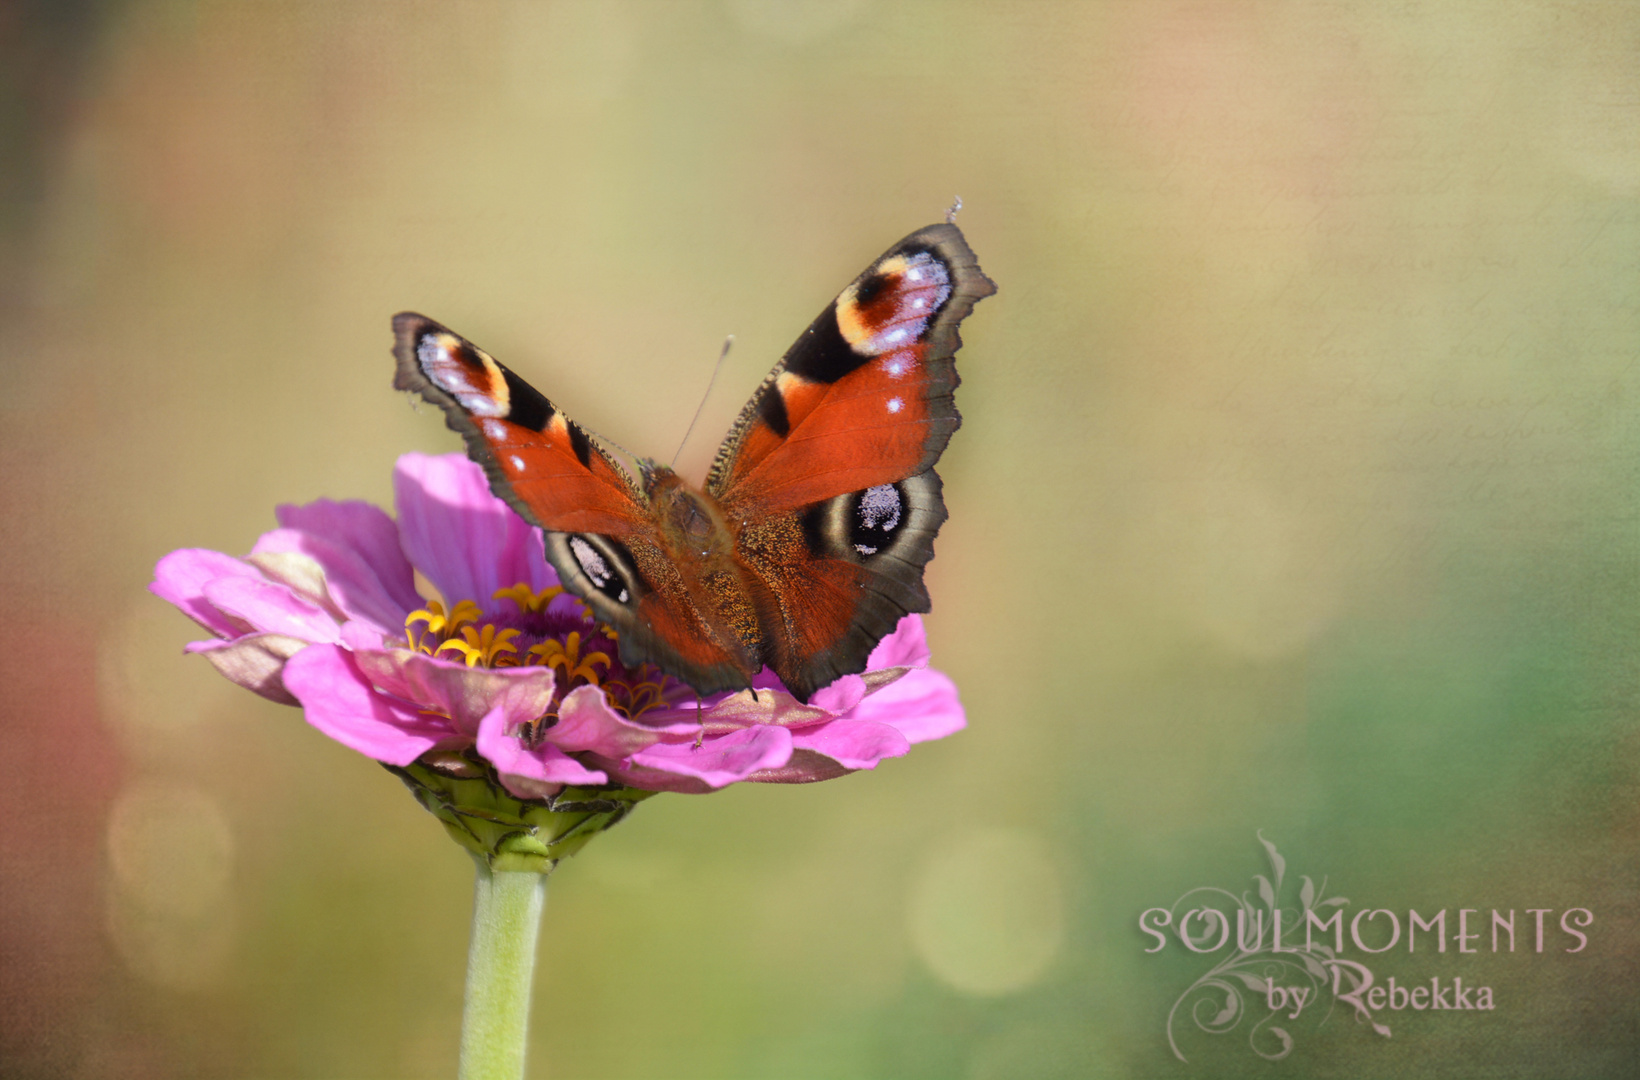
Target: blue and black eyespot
{"points": [[603, 563], [874, 517]]}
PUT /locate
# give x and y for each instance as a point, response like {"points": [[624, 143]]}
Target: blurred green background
{"points": [[1296, 492]]}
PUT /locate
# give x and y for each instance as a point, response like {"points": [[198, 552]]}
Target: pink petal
{"points": [[587, 723], [467, 542], [181, 577], [545, 764], [465, 694], [907, 646], [272, 607], [339, 701], [854, 744], [724, 759], [724, 713], [299, 573], [366, 532], [365, 637], [923, 705], [840, 696], [349, 584], [254, 662]]}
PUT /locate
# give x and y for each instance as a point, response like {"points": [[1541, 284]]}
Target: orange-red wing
{"points": [[537, 459], [864, 396]]}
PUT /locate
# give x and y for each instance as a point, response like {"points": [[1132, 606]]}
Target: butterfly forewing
{"points": [[537, 459], [864, 396]]}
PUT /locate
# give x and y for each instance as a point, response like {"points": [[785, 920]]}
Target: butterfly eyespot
{"points": [[874, 516], [603, 568], [473, 379], [890, 524], [592, 563]]}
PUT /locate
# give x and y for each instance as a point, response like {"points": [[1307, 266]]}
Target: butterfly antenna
{"points": [[633, 465], [951, 214], [722, 356], [606, 439]]}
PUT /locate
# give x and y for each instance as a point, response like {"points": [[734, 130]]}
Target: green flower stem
{"points": [[515, 842], [500, 968]]}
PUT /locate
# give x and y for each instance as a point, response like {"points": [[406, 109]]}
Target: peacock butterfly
{"points": [[819, 512]]}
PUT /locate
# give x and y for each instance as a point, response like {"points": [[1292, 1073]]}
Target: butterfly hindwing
{"points": [[856, 568]]}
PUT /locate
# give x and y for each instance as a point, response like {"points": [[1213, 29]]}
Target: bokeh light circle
{"points": [[986, 911], [171, 848]]}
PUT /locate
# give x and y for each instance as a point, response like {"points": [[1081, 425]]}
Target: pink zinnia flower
{"points": [[325, 613]]}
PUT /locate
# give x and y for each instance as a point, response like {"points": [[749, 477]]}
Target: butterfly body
{"points": [[808, 541]]}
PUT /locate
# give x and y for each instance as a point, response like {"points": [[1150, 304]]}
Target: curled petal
{"points": [[338, 699], [853, 744], [745, 708], [300, 573], [272, 607], [465, 694], [545, 764], [366, 532], [922, 706], [181, 577], [723, 760], [804, 767], [346, 584], [254, 661], [840, 696], [468, 542], [587, 723]]}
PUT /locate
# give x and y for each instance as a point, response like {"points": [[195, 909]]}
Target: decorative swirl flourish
{"points": [[1252, 966]]}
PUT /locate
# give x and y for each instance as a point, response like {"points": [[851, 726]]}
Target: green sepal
{"points": [[509, 833]]}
